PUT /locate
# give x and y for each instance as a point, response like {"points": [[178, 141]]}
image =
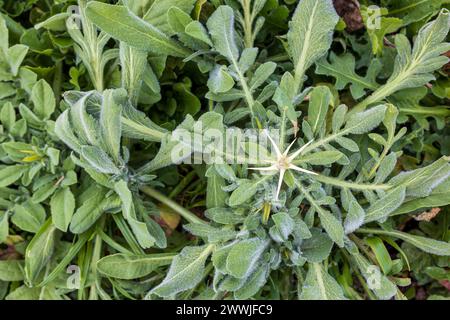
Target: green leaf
{"points": [[43, 192], [413, 10], [139, 228], [318, 247], [365, 121], [99, 160], [8, 115], [4, 227], [26, 293], [384, 206], [438, 273], [382, 287], [221, 27], [321, 158], [223, 216], [381, 254], [220, 80], [90, 210], [185, 272], [355, 215], [215, 196], [136, 125], [213, 234], [196, 30], [332, 226], [247, 59], [244, 192], [343, 69], [439, 248], [64, 132], [62, 206], [310, 35], [282, 228], [110, 124], [6, 90], [225, 171], [178, 20], [378, 34], [43, 99], [413, 68], [243, 257], [320, 100], [262, 73], [254, 283], [56, 22], [29, 216], [128, 267], [16, 54], [11, 270], [157, 13], [39, 252], [123, 25], [439, 197], [422, 181], [83, 124], [10, 174], [319, 285], [4, 35]]}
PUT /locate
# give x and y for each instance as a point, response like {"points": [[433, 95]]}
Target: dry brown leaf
{"points": [[350, 12], [428, 215]]}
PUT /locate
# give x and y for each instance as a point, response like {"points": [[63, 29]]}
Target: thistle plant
{"points": [[308, 216]]}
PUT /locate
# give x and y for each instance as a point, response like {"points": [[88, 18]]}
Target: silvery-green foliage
{"points": [[372, 184], [310, 35], [134, 31], [185, 272], [137, 73], [414, 66], [157, 14], [129, 266], [343, 69], [11, 58], [437, 198], [384, 288], [221, 27], [319, 285], [90, 45], [96, 138], [39, 251], [286, 228], [74, 174]]}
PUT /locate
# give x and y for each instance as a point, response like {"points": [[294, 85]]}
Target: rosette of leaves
{"points": [[96, 139], [250, 235]]}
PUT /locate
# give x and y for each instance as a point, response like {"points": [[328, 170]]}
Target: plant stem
{"points": [[248, 34], [374, 231], [359, 243], [96, 255], [57, 81], [183, 184], [378, 163], [189, 216], [128, 235]]}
